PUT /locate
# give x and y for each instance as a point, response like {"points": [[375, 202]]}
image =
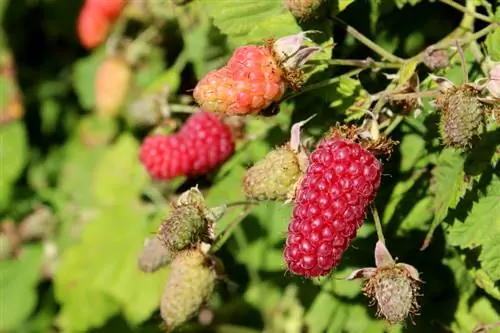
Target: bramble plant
{"points": [[246, 166]]}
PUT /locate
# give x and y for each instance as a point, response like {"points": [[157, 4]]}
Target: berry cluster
{"points": [[95, 21], [183, 240], [203, 143]]}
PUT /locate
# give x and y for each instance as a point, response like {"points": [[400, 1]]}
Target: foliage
{"points": [[439, 207]]}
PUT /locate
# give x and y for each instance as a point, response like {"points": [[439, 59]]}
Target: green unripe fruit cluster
{"points": [[189, 286]]}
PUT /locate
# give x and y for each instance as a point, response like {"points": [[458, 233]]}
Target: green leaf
{"points": [[481, 229], [342, 4], [260, 255], [401, 3], [263, 295], [412, 149], [483, 280], [145, 75], [84, 74], [77, 171], [99, 276], [471, 318], [13, 151], [208, 38], [406, 71], [251, 21], [449, 187], [18, 281], [418, 217], [119, 175]]}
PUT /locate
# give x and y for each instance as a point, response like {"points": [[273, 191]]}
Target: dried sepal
{"points": [[394, 287]]}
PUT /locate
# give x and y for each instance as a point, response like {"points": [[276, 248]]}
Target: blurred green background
{"points": [[76, 204]]}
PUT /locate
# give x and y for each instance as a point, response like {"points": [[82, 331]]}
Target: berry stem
{"points": [[430, 93], [394, 123], [467, 11], [378, 225], [447, 42], [138, 46], [224, 235], [180, 108], [241, 203], [364, 63], [366, 41], [463, 63], [325, 83]]}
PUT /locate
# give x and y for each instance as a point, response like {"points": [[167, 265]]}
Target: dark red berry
{"points": [[340, 182], [201, 145]]}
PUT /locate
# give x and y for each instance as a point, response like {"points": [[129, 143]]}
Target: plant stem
{"points": [[136, 48], [378, 225], [396, 97], [180, 108], [366, 41], [447, 42], [241, 203], [366, 63], [325, 83], [466, 10], [224, 235], [394, 123]]}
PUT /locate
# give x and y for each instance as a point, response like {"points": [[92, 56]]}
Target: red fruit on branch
{"points": [[202, 144], [250, 82], [341, 180], [255, 77], [92, 27], [111, 9]]}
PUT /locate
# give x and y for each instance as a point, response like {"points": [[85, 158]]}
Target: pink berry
{"points": [[341, 180], [201, 145], [109, 8], [249, 83]]}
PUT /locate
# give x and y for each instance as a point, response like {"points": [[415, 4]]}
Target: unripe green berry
{"points": [[394, 291], [189, 223], [275, 176], [190, 284], [303, 9], [462, 116], [154, 256]]}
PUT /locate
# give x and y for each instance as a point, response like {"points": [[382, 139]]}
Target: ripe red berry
{"points": [[109, 8], [202, 144], [92, 27], [341, 180], [249, 83]]}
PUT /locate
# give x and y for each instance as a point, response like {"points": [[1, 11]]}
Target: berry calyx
{"points": [[340, 182], [190, 284], [202, 144], [393, 286]]}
